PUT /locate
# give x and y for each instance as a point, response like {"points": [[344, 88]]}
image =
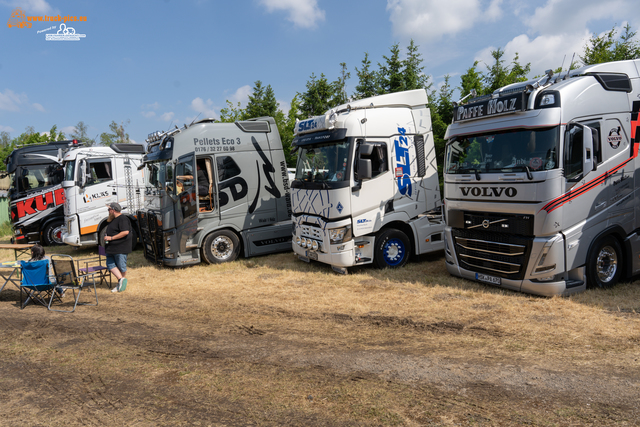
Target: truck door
{"points": [[186, 207], [96, 190]]}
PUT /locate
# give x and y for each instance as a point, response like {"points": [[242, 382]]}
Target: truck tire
{"points": [[604, 265], [221, 246], [392, 249], [101, 235], [52, 234]]}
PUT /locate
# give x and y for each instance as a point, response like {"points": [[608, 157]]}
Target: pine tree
{"points": [[316, 100], [414, 77], [367, 78], [340, 86], [255, 106], [390, 76]]}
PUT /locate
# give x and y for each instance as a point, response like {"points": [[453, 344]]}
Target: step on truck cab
{"points": [[215, 190], [36, 197], [541, 182], [93, 177], [366, 184]]}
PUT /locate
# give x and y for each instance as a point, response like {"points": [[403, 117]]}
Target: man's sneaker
{"points": [[122, 284], [115, 289]]}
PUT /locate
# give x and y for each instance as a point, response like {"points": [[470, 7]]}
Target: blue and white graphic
{"points": [[403, 163], [339, 207]]}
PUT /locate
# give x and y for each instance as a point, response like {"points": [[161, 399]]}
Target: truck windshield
{"points": [[324, 163], [508, 151], [34, 177]]}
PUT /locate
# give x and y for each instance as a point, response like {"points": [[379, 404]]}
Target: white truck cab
{"points": [[93, 177], [366, 185]]}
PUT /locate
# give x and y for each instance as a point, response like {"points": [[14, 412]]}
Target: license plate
{"points": [[488, 279], [312, 255]]}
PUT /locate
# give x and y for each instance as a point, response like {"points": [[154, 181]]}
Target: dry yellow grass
{"points": [[281, 330]]}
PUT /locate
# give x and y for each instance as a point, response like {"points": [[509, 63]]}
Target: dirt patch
{"points": [[270, 350]]}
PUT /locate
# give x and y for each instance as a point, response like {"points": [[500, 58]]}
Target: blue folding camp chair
{"points": [[36, 284]]}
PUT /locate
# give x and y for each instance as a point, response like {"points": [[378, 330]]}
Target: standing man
{"points": [[118, 241]]}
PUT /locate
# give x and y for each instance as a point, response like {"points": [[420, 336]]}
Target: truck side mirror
{"points": [[365, 151], [588, 162], [364, 169]]}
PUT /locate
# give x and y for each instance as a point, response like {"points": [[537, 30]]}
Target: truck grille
{"points": [[311, 232], [521, 225], [151, 237], [497, 254]]}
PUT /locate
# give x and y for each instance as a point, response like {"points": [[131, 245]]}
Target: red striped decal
{"points": [[572, 194]]}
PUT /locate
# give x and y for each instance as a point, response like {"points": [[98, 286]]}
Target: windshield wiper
{"points": [[476, 172]]}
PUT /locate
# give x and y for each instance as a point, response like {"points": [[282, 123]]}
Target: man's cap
{"points": [[115, 206]]}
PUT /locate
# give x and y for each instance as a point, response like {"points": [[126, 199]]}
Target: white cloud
{"points": [[11, 101], [570, 16], [204, 107], [148, 114], [68, 130], [284, 106], [303, 13], [241, 95], [6, 129], [153, 106], [167, 117], [543, 52], [428, 20], [40, 7]]}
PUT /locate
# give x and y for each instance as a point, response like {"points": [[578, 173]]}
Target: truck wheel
{"points": [[52, 234], [392, 249], [221, 246], [604, 265]]}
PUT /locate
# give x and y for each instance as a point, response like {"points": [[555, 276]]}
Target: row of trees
{"points": [[393, 74], [79, 133]]}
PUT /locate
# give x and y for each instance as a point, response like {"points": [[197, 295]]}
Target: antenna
{"points": [[194, 120], [570, 65]]}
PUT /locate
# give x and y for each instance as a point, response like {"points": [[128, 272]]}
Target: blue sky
{"points": [[162, 62]]}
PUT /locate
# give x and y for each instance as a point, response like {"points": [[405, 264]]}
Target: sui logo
{"points": [[403, 165]]}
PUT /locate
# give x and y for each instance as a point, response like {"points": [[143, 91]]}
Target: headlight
{"points": [[298, 240], [339, 235], [314, 245], [548, 99]]}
